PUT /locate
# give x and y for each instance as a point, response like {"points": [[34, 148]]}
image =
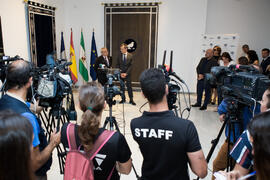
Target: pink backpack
{"points": [[79, 166]]}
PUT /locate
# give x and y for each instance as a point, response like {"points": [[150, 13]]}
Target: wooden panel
{"points": [[136, 27]]}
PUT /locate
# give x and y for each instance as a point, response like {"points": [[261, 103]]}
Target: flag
{"points": [[82, 62], [62, 50], [73, 67], [93, 58]]}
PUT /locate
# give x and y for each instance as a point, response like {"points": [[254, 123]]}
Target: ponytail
{"points": [[88, 129], [91, 98]]}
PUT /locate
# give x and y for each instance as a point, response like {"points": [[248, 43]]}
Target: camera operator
{"points": [[204, 67], [115, 152], [220, 162], [103, 61], [242, 150], [167, 143], [18, 81], [258, 137]]}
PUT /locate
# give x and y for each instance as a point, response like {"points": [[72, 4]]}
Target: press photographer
{"points": [[167, 143], [18, 81], [242, 87]]}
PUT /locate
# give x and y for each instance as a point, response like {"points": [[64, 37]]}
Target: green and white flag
{"points": [[82, 62]]}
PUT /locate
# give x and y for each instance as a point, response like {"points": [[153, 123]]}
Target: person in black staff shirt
{"points": [[204, 67], [115, 151], [18, 82], [167, 143], [103, 61], [124, 63], [265, 64]]}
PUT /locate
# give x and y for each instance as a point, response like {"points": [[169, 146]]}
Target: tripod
{"points": [[57, 115], [113, 123], [233, 116]]}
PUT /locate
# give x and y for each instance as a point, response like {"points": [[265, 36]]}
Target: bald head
{"points": [[18, 74], [209, 53]]}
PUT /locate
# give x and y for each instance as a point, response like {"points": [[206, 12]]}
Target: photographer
{"points": [[18, 81], [242, 150], [115, 152], [258, 137], [167, 143], [220, 162]]}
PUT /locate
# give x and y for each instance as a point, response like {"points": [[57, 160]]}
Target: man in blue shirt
{"points": [[18, 81], [220, 163]]}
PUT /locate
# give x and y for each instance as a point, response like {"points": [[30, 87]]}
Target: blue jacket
{"points": [[247, 116]]}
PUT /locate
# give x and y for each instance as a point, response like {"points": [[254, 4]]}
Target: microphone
{"points": [[242, 67], [177, 77], [102, 66]]}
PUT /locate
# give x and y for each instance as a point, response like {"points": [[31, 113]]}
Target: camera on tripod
{"points": [[174, 87], [111, 90], [52, 83], [241, 82]]}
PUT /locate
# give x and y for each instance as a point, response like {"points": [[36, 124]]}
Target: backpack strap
{"points": [[100, 142], [71, 136], [109, 177]]}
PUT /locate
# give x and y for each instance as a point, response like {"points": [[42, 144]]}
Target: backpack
{"points": [[79, 165]]}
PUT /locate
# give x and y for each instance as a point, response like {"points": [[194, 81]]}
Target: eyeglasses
{"points": [[215, 50]]}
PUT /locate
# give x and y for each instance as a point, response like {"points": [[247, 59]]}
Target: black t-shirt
{"points": [[164, 141], [116, 149]]}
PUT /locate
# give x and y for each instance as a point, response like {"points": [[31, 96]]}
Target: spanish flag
{"points": [[73, 67]]}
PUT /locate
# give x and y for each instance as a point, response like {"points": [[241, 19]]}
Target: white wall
{"points": [[180, 25], [249, 18], [14, 25]]}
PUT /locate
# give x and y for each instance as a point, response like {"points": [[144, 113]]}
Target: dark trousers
{"points": [[203, 86], [126, 81]]}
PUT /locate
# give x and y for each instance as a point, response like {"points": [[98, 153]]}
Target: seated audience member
{"points": [[115, 152], [243, 60], [168, 143], [253, 57], [220, 162], [242, 150], [18, 81], [203, 68], [245, 49], [265, 64], [16, 134], [226, 60]]}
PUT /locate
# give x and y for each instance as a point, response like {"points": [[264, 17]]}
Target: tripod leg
{"points": [[214, 144]]}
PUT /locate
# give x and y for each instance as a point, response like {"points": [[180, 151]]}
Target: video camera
{"points": [[52, 83], [242, 82], [110, 89], [4, 61], [174, 86]]}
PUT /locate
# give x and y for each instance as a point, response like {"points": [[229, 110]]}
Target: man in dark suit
{"points": [[103, 61], [203, 68], [265, 64], [124, 63]]}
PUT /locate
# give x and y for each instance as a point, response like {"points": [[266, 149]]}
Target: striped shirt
{"points": [[242, 151]]}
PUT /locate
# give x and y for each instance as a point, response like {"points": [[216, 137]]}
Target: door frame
{"points": [[33, 8], [151, 8]]}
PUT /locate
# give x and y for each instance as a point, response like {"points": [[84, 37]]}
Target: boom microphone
{"points": [[164, 57]]}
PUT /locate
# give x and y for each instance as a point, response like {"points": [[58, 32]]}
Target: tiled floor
{"points": [[206, 122]]}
